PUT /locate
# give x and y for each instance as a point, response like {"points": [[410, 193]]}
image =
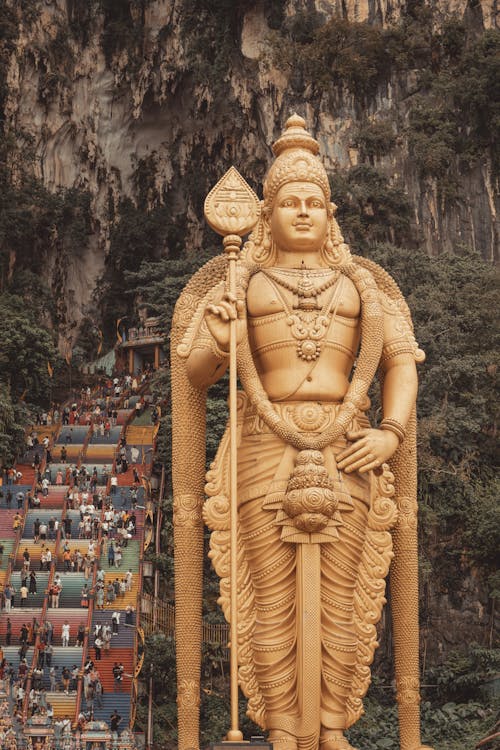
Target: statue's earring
{"points": [[267, 241]]}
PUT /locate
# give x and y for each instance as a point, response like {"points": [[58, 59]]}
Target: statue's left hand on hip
{"points": [[368, 450]]}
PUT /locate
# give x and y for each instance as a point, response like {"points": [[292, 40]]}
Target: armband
{"points": [[216, 351], [392, 425]]}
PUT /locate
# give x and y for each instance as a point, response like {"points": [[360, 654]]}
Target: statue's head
{"points": [[297, 174], [296, 161]]}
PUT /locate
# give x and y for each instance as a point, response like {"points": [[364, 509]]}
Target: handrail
{"points": [[490, 738], [90, 613], [43, 616], [88, 436], [162, 617], [19, 536], [64, 513], [36, 648], [159, 521], [85, 649], [139, 632], [135, 671]]}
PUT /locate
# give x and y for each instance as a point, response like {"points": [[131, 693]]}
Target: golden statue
{"points": [[324, 501]]}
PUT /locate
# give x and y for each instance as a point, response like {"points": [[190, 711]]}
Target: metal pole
{"points": [[155, 598], [232, 244], [150, 708]]}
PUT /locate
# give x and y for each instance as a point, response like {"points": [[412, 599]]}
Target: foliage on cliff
{"points": [[26, 349], [455, 104], [33, 222]]}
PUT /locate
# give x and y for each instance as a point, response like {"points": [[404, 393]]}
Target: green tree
{"points": [[26, 349]]}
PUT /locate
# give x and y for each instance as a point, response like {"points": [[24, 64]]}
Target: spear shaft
{"points": [[232, 209], [232, 244]]}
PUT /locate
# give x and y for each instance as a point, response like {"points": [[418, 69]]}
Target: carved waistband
{"points": [[303, 416]]}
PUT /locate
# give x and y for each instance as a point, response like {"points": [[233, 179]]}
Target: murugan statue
{"points": [[325, 500]]}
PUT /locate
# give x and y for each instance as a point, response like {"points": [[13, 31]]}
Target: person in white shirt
{"points": [[115, 621], [128, 580], [98, 644], [65, 633]]}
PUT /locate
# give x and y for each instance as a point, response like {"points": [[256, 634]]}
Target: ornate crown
{"points": [[296, 159]]}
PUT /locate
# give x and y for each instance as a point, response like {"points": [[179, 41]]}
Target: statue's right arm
{"points": [[204, 367]]}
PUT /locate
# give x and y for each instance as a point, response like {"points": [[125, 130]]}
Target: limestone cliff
{"points": [[154, 99]]}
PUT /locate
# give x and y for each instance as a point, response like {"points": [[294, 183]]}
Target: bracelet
{"points": [[218, 353], [392, 425]]}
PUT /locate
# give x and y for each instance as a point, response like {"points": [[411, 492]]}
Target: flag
{"points": [[99, 348], [119, 337], [50, 369]]}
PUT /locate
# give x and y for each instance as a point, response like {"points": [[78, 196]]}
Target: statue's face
{"points": [[299, 219]]}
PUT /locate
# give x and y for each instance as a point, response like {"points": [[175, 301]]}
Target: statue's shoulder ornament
{"points": [[188, 318], [399, 336]]}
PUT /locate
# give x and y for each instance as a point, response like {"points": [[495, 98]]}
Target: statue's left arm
{"points": [[372, 447]]}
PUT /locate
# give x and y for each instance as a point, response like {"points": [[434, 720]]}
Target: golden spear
{"points": [[232, 210]]}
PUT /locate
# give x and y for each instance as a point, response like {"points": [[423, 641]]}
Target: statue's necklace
{"points": [[306, 292], [308, 321]]}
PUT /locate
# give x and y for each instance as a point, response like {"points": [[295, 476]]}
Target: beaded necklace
{"points": [[304, 289]]}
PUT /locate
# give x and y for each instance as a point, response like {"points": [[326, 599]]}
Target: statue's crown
{"points": [[296, 159], [295, 136]]}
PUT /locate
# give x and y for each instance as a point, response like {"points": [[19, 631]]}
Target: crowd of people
{"points": [[8, 735], [106, 523], [106, 533]]}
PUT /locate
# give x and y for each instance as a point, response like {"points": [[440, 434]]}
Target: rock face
{"points": [[173, 88]]}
